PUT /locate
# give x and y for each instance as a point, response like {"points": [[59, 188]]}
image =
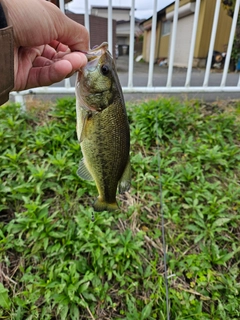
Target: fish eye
{"points": [[104, 69]]}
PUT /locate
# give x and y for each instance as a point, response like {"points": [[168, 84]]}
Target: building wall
{"points": [[146, 44], [163, 41], [183, 41], [157, 42], [205, 27], [117, 13], [223, 31], [164, 45], [123, 33], [181, 3], [122, 40], [147, 40], [205, 21]]}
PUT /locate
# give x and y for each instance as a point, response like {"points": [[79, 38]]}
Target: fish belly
{"points": [[105, 148]]}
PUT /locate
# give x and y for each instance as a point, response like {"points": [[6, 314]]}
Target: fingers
{"points": [[58, 46], [77, 59], [42, 62], [46, 72], [43, 66], [45, 76]]}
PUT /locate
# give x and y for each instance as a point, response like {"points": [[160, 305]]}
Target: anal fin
{"points": [[125, 181]]}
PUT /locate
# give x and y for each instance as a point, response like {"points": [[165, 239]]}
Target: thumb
{"points": [[73, 34]]}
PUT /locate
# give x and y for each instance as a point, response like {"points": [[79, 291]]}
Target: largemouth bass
{"points": [[102, 128]]}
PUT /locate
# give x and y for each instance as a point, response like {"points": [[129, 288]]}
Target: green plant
{"points": [[61, 260]]}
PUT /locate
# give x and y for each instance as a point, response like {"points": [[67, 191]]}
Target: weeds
{"points": [[58, 263]]}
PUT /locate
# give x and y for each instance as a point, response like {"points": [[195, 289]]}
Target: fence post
{"points": [[19, 98], [230, 43], [193, 41], [131, 49], [152, 46], [212, 41], [110, 40], [172, 45]]}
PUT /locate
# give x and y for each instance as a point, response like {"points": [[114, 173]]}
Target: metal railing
{"points": [[187, 88]]}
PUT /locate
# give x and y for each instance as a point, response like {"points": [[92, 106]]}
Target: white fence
{"points": [[168, 88]]}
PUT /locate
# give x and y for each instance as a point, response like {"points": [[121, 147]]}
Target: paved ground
{"points": [[140, 78], [160, 75]]}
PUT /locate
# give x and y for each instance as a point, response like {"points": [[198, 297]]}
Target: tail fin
{"points": [[100, 205]]}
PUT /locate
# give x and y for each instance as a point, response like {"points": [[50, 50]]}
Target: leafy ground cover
{"points": [[56, 262]]}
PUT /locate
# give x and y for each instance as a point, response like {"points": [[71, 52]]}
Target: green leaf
{"points": [[37, 246], [219, 222], [57, 234], [89, 296], [84, 287], [225, 258], [63, 311], [199, 237], [74, 312], [148, 271], [146, 311], [45, 243], [4, 298], [1, 235], [193, 227]]}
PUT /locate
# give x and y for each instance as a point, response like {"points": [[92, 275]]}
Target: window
{"points": [[166, 27]]}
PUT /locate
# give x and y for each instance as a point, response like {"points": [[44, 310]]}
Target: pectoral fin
{"points": [[82, 117], [82, 133], [83, 171], [125, 181]]}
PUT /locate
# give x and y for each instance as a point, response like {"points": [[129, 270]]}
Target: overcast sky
{"points": [[144, 8]]}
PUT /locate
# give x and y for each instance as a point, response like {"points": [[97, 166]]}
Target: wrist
{"points": [[22, 15]]}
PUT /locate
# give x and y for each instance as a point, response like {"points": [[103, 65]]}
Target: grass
{"points": [[56, 262]]}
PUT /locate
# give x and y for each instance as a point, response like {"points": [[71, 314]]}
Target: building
{"points": [[98, 26], [122, 17], [163, 31], [118, 13], [184, 32]]}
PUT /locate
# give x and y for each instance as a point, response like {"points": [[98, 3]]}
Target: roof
{"points": [[159, 13], [128, 21], [114, 8]]}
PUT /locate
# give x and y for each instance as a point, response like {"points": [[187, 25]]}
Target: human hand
{"points": [[44, 43]]}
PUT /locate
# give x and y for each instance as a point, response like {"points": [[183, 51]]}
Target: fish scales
{"points": [[108, 159], [103, 130]]}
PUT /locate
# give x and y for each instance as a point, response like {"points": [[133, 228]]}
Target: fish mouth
{"points": [[94, 55], [96, 51]]}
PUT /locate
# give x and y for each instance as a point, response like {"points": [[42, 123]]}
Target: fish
{"points": [[103, 128]]}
